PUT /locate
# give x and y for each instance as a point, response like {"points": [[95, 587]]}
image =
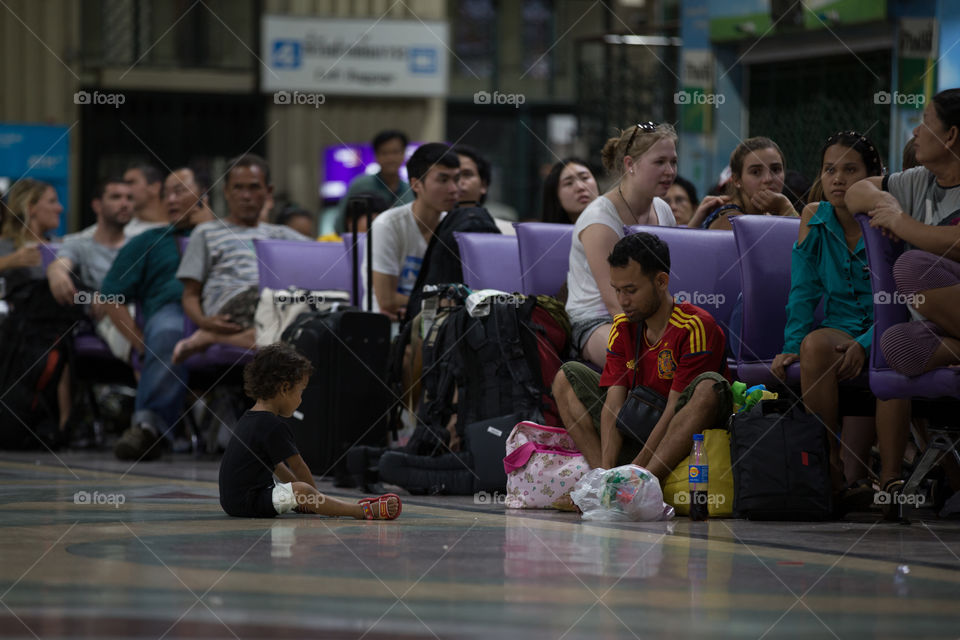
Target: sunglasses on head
{"points": [[646, 127]]}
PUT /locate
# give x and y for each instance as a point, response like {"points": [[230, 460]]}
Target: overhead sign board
{"points": [[354, 57]]}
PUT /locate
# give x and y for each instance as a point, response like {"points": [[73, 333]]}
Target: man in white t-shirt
{"points": [[399, 237]]}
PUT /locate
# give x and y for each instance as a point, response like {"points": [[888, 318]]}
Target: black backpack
{"points": [[493, 364], [441, 263], [36, 342]]}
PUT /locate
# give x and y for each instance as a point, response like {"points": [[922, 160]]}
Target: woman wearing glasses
{"points": [[644, 158], [756, 186]]}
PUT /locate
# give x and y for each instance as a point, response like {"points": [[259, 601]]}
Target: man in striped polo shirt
{"points": [[680, 356], [219, 267]]}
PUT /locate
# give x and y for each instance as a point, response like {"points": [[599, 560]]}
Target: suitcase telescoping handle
{"points": [[358, 207]]}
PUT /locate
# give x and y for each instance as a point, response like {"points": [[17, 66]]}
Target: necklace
{"points": [[635, 218]]}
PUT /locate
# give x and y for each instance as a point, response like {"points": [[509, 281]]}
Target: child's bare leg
{"points": [[313, 501]]}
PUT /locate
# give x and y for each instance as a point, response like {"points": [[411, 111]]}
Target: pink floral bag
{"points": [[542, 467]]}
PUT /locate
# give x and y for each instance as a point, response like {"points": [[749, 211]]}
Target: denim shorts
{"points": [[581, 330]]}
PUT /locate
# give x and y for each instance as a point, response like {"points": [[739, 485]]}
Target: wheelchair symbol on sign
{"points": [[286, 54]]}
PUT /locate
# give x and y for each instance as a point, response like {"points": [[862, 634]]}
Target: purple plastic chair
{"points": [[704, 268], [884, 381], [490, 261], [48, 253], [764, 246], [942, 383], [306, 265], [544, 256]]}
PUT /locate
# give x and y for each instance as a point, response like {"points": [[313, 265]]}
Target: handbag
{"points": [[278, 308], [542, 467], [782, 467], [642, 409]]}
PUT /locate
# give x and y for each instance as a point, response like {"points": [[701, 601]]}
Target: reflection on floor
{"points": [[91, 548]]}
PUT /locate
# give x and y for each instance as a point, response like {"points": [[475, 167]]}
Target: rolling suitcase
{"points": [[346, 402]]}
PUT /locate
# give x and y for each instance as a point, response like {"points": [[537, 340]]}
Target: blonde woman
{"points": [[644, 159], [31, 212]]}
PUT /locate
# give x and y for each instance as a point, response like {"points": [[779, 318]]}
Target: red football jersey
{"points": [[691, 344]]}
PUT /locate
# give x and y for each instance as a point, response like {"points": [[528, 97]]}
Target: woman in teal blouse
{"points": [[830, 262]]}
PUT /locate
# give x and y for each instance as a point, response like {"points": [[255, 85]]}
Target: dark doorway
{"points": [[167, 130], [800, 103]]}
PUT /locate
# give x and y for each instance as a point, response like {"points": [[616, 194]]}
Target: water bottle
{"points": [[698, 475]]}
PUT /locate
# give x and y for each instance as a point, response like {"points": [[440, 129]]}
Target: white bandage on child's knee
{"points": [[284, 498]]}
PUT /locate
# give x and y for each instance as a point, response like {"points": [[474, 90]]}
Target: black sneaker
{"points": [[138, 443]]}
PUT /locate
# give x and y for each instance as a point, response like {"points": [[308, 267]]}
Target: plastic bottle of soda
{"points": [[698, 475]]}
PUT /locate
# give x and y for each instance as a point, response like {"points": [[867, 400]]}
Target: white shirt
{"points": [[583, 294], [398, 251]]}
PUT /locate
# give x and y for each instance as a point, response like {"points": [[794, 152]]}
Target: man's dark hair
{"points": [[101, 187], [289, 212], [249, 160], [646, 249], [273, 367], [386, 136], [150, 173], [430, 155], [483, 166], [200, 178]]}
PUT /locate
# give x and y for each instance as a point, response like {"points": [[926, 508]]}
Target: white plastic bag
{"points": [[622, 493]]}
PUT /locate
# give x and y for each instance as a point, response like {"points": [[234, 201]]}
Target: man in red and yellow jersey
{"points": [[676, 350]]}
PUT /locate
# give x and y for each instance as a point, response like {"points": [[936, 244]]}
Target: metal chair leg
{"points": [[941, 443]]}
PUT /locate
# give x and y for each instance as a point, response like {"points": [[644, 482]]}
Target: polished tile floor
{"points": [[91, 548]]}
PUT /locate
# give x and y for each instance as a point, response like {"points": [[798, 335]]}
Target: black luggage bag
{"points": [[781, 463], [346, 402]]}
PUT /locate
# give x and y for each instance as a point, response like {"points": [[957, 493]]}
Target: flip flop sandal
{"points": [[376, 508], [856, 496]]}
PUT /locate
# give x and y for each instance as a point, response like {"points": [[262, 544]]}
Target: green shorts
{"points": [[586, 385]]}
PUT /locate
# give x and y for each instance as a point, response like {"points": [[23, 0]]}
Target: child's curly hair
{"points": [[273, 367]]}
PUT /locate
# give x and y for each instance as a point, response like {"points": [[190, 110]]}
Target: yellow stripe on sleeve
{"points": [[694, 325]]}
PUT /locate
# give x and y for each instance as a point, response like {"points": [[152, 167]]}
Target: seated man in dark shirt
{"points": [[145, 272]]}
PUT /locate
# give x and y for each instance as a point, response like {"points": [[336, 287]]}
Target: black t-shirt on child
{"points": [[261, 441]]}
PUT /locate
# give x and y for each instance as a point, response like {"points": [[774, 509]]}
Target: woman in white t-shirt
{"points": [[644, 158]]}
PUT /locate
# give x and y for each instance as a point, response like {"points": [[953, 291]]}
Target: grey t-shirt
{"points": [[133, 228], [924, 200], [221, 255], [921, 197], [91, 260]]}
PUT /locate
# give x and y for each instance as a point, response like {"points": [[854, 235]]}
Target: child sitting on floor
{"points": [[262, 446]]}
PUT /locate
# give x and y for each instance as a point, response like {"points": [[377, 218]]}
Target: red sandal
{"points": [[376, 508]]}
